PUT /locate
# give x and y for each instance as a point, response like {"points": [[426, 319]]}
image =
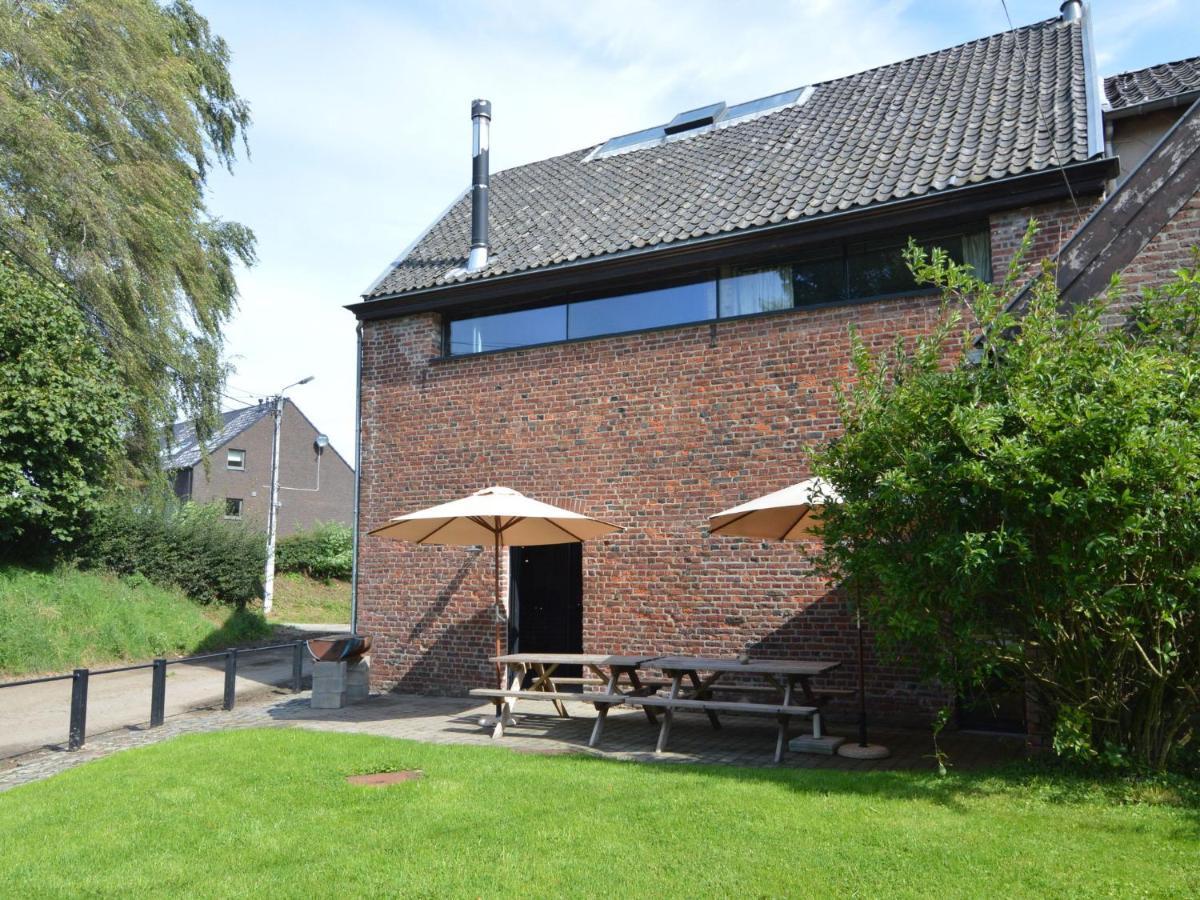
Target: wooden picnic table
{"points": [[781, 675], [607, 669]]}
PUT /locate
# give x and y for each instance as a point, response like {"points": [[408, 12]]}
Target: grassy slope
{"points": [[55, 621], [268, 812], [300, 599]]}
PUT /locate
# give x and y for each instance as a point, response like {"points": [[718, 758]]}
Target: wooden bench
{"points": [[601, 701], [498, 696], [821, 694], [783, 713]]}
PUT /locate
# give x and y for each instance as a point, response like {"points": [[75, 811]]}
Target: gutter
{"points": [[1022, 190], [357, 479], [1140, 109]]}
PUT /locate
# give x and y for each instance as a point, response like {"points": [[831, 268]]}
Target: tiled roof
{"points": [[1003, 105], [184, 451], [1159, 82]]}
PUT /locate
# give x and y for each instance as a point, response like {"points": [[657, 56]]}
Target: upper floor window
{"points": [[850, 271], [235, 459]]}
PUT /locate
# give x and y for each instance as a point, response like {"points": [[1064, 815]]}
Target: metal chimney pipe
{"points": [[1072, 10], [481, 120]]}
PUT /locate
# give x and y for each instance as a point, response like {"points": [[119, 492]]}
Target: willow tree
{"points": [[112, 115]]}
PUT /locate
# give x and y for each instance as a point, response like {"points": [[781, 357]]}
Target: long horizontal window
{"points": [[852, 271]]}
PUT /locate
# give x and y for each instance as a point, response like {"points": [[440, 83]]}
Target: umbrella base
{"points": [[855, 750]]}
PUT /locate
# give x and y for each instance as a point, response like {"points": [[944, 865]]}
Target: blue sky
{"points": [[361, 129]]}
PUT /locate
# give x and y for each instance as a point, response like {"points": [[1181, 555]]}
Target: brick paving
{"points": [[742, 741]]}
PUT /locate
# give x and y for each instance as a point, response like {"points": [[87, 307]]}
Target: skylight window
{"points": [[695, 118], [700, 121]]}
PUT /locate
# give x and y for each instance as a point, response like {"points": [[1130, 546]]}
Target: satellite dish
{"points": [[322, 442]]}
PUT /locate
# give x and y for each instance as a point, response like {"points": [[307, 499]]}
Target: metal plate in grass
{"points": [[383, 779]]}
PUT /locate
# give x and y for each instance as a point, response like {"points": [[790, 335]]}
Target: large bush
{"points": [[324, 552], [60, 413], [193, 547], [1035, 506]]}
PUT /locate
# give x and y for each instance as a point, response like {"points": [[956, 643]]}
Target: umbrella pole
{"points": [[862, 681], [863, 749], [496, 584]]}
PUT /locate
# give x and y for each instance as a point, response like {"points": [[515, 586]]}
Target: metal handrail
{"points": [[158, 686]]}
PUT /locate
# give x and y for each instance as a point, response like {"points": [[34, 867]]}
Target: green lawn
{"points": [[53, 621], [269, 813], [301, 599]]}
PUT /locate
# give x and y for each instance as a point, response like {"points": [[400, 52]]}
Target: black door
{"points": [[546, 600]]}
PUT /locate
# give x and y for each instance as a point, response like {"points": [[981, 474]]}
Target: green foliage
{"points": [[56, 620], [324, 552], [112, 113], [193, 547], [60, 405], [1035, 506]]}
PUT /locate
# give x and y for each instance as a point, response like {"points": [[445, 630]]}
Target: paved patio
{"points": [[742, 741]]}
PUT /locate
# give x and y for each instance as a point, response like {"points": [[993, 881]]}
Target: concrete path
{"points": [[38, 715]]}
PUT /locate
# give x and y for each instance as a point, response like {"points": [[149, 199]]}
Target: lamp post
{"points": [[273, 511]]}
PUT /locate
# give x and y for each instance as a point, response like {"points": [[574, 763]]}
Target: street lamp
{"points": [[273, 511]]}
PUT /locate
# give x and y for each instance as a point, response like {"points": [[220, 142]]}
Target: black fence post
{"points": [[158, 692], [297, 667], [79, 691], [230, 678]]}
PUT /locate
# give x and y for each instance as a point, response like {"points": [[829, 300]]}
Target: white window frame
{"points": [[240, 507], [229, 460]]}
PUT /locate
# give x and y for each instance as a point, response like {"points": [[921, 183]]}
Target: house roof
{"points": [[1164, 82], [184, 450], [1005, 105]]}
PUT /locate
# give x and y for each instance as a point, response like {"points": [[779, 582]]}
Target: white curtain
{"points": [[977, 253], [746, 291]]}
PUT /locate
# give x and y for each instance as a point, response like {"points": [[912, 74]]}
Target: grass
{"points": [[301, 599], [268, 812], [53, 621]]}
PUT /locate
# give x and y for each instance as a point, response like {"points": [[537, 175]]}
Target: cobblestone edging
{"points": [[742, 741]]}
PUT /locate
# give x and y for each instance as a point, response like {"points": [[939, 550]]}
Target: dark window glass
{"points": [[818, 281], [233, 508], [647, 309], [878, 270], [505, 330]]}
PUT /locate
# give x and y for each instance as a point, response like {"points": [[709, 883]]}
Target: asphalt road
{"points": [[38, 715]]}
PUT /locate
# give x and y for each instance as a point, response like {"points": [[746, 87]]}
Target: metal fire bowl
{"points": [[339, 647]]}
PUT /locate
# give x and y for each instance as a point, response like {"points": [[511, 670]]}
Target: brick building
{"points": [[315, 483], [657, 333]]}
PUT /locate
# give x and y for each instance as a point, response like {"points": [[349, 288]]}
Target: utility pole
{"points": [[273, 512]]}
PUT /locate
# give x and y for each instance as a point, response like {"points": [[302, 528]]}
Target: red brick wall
{"points": [[655, 431]]}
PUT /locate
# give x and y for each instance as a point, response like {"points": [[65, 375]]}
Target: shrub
{"points": [[193, 547], [324, 552], [1034, 506], [61, 407]]}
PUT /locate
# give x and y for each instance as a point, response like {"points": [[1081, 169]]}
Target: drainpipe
{"points": [[357, 479]]}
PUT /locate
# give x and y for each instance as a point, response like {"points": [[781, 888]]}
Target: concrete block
{"points": [[806, 743], [329, 676], [328, 699]]}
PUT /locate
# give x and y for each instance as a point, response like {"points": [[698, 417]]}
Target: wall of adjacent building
{"points": [[301, 504]]}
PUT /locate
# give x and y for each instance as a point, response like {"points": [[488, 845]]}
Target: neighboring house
{"points": [[315, 483], [659, 325]]}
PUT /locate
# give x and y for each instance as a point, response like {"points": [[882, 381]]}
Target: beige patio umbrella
{"points": [[789, 515], [496, 517]]}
